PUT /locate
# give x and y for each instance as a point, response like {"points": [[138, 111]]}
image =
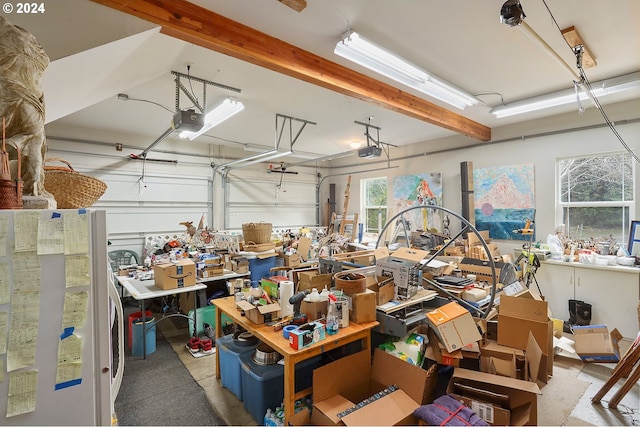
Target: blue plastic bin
{"points": [[137, 348], [229, 356], [263, 386], [260, 267]]}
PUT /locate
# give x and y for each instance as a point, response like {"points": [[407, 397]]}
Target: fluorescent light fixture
{"points": [[599, 89], [228, 108], [361, 51]]}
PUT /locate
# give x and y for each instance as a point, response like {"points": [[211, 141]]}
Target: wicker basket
{"points": [[350, 282], [262, 247], [257, 232], [71, 189]]}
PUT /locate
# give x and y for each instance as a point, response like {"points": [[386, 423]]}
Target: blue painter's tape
{"points": [[68, 384], [67, 332], [82, 211], [56, 215]]}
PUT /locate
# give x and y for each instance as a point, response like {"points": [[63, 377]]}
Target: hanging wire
{"points": [[190, 86], [584, 82], [150, 102]]}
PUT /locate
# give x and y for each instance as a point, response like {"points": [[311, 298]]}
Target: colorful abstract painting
{"points": [[504, 200], [413, 190]]}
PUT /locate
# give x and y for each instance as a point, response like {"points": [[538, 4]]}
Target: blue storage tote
{"points": [[229, 357], [263, 386], [260, 267]]}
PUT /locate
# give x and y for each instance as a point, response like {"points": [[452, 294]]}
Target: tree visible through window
{"points": [[596, 196], [374, 204]]}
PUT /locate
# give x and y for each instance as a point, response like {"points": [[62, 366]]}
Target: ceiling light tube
{"points": [[227, 109], [602, 88], [361, 51]]}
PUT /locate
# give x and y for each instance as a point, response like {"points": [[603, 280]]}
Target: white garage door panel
{"points": [[143, 220], [279, 217], [156, 189], [254, 200]]}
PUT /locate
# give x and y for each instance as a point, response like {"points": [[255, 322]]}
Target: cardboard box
{"points": [[362, 306], [175, 275], [351, 379], [240, 265], [491, 413], [313, 279], [517, 396], [437, 352], [595, 344], [522, 313], [315, 310], [383, 287], [126, 271], [306, 335], [291, 260], [405, 268], [260, 314], [454, 326], [517, 316], [304, 244], [211, 270], [501, 360], [481, 269]]}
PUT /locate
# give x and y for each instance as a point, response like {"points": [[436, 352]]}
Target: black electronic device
{"points": [[296, 301], [370, 152]]}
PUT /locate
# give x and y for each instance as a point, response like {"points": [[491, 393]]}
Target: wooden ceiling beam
{"points": [[573, 38], [200, 26], [297, 5]]}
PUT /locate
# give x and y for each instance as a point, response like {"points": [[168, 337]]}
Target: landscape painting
{"points": [[422, 189], [504, 200]]}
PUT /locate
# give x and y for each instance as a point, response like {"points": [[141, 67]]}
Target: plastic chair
{"points": [[122, 257]]}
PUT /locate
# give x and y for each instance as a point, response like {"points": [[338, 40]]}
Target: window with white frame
{"points": [[373, 204], [596, 196]]}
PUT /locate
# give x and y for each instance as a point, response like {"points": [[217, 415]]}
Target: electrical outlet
{"points": [[118, 147]]}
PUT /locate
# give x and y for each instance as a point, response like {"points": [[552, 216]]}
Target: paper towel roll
{"points": [[286, 292]]}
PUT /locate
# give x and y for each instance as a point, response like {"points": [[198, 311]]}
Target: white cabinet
{"points": [[613, 292], [557, 286]]}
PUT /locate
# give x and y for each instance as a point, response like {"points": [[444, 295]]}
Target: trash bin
{"points": [[132, 317], [148, 323]]}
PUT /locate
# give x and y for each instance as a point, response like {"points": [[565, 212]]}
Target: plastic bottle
{"points": [[314, 296], [332, 320], [270, 418], [147, 262], [324, 295]]}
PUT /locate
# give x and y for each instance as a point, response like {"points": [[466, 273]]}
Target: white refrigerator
{"points": [[56, 312]]}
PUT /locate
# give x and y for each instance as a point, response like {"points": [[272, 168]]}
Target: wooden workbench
{"points": [[275, 339]]}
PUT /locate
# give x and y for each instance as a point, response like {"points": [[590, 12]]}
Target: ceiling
{"points": [[98, 52]]}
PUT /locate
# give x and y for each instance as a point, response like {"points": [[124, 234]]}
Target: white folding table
{"points": [[142, 290]]}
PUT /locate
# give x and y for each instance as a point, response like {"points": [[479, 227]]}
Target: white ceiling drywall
{"points": [[97, 52]]}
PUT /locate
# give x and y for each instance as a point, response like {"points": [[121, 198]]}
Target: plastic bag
{"points": [[555, 247]]}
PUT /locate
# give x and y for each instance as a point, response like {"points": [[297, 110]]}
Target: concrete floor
{"points": [[565, 400]]}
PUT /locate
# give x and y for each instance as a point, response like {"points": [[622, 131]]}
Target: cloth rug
{"points": [[562, 393], [159, 390]]}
